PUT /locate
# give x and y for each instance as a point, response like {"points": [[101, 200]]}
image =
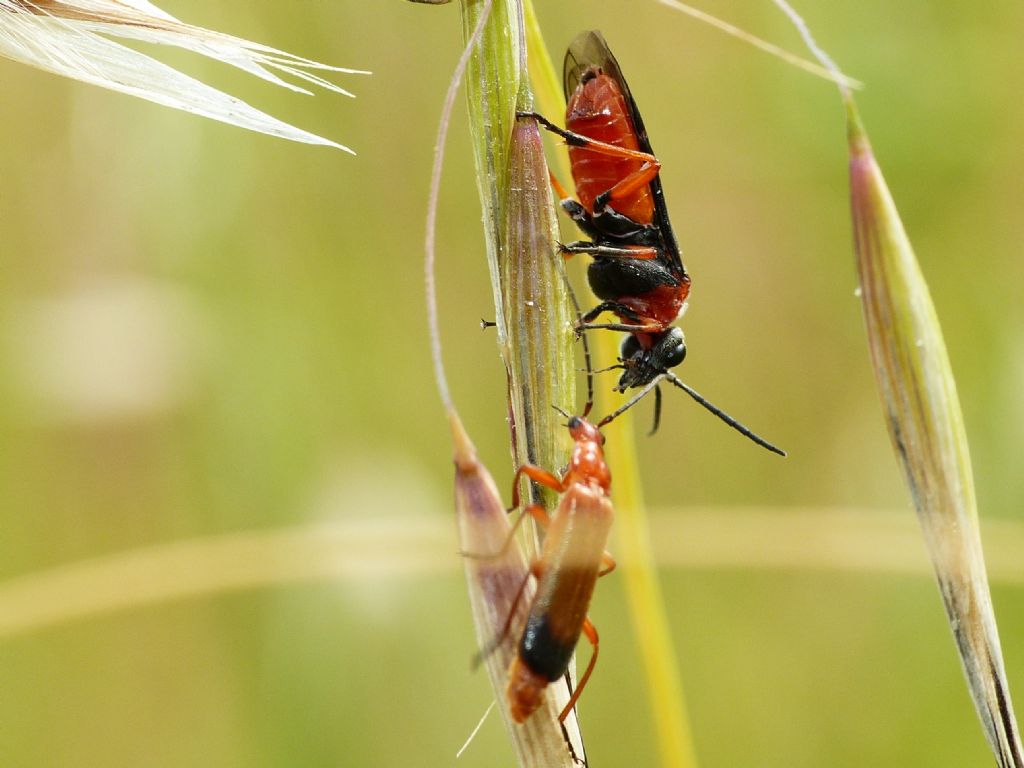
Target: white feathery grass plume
{"points": [[68, 37]]}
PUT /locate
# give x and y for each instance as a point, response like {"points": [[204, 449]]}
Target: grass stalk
{"points": [[922, 412], [496, 571], [531, 309], [666, 698]]}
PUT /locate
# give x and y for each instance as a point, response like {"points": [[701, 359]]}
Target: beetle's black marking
{"points": [[542, 652]]}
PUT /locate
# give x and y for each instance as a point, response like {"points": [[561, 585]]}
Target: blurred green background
{"points": [[208, 331]]}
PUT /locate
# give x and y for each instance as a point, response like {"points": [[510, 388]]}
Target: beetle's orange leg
{"points": [[607, 564], [591, 633], [539, 514], [539, 476]]}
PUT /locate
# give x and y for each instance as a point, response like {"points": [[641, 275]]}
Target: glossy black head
{"points": [[642, 365]]}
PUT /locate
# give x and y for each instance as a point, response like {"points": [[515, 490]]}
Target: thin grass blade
{"points": [[925, 423], [500, 591], [926, 426], [533, 331]]}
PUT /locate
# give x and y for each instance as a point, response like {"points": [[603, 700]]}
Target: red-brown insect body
{"points": [[600, 109], [587, 465], [637, 270], [570, 561], [525, 690], [597, 109]]}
